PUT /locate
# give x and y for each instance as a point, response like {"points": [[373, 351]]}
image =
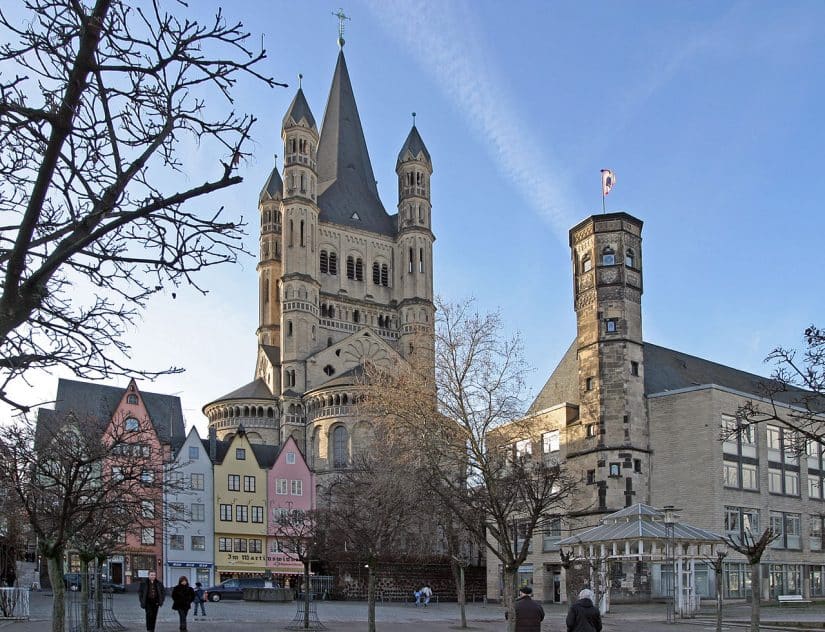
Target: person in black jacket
{"points": [[583, 616], [529, 613], [151, 595], [182, 598]]}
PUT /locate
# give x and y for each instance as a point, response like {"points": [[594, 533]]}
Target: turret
{"points": [[415, 241], [269, 262], [299, 288]]}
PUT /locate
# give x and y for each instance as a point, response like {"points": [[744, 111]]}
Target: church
{"points": [[342, 282]]}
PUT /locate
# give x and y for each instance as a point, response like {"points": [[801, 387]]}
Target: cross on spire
{"points": [[341, 18]]}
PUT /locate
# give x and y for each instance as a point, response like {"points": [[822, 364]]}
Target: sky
{"points": [[708, 112]]}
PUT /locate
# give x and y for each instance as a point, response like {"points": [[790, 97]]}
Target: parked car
{"points": [[233, 588]]}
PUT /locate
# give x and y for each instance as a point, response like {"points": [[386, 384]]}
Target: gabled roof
{"points": [[348, 193], [413, 148], [299, 109], [91, 400], [664, 370], [273, 187]]}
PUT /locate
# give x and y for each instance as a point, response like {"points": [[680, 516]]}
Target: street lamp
{"points": [[669, 524]]}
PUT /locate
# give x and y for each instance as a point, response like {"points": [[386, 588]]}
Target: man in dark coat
{"points": [[529, 613], [583, 615], [151, 594]]}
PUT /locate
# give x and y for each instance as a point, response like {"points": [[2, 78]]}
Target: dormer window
{"points": [[608, 257], [131, 399], [587, 263]]}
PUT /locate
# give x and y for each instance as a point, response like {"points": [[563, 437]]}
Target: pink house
{"points": [[290, 486]]}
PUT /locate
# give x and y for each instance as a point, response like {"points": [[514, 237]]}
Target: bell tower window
{"points": [[324, 261], [587, 263], [608, 256], [629, 259], [376, 274]]}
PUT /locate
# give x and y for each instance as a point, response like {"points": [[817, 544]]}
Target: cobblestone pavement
{"points": [[241, 616]]}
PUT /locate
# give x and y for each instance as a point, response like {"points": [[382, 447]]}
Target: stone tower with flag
{"points": [[342, 282]]}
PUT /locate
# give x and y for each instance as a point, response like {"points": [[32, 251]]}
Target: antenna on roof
{"points": [[300, 80]]}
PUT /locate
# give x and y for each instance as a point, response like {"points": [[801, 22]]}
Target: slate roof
{"points": [[664, 370], [415, 146], [265, 455], [273, 187], [273, 354], [639, 522], [92, 400], [346, 182], [256, 389], [299, 109]]}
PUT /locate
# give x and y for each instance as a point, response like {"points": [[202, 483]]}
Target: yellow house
{"points": [[240, 506]]}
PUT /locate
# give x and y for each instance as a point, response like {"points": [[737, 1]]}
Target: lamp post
{"points": [[669, 524]]}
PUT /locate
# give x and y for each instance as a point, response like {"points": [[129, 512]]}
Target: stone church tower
{"points": [[607, 275], [341, 282]]}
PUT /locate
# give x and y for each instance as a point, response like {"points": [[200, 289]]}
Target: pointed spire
{"points": [[342, 150], [413, 148], [274, 186], [299, 110]]}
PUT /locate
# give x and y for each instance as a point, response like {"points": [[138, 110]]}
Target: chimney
{"points": [[213, 444]]}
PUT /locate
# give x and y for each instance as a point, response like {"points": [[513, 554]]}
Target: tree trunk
{"points": [[510, 579], [717, 569], [307, 593], [756, 595], [84, 594], [461, 594], [371, 598], [98, 595], [54, 563]]}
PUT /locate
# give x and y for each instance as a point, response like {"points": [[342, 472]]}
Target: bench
{"points": [[792, 600]]}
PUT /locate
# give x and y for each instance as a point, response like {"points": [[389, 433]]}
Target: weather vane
{"points": [[341, 17]]}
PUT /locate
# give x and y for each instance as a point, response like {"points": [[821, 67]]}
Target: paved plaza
{"points": [[344, 616]]}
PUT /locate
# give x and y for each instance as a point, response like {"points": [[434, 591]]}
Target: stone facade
{"points": [[341, 283], [640, 423]]}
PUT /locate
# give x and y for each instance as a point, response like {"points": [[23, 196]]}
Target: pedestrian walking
{"points": [[426, 593], [151, 595], [583, 616], [200, 599], [182, 598], [529, 613]]}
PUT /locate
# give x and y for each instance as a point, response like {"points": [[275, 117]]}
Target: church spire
{"points": [[299, 111]]}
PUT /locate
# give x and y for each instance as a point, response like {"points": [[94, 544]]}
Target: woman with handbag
{"points": [[182, 598]]}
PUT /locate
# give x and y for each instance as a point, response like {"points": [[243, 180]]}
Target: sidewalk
{"points": [[347, 616]]}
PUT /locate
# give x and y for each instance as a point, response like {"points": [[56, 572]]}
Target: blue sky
{"points": [[708, 112]]}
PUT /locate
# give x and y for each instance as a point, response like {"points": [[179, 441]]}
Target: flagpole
{"points": [[602, 185]]}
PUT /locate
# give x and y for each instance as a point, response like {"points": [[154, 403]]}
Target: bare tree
{"points": [[77, 480], [298, 533], [753, 548], [460, 411], [717, 563], [372, 509], [97, 100], [795, 395]]}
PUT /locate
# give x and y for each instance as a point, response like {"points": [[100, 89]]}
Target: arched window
{"points": [[410, 261], [359, 270], [376, 274], [303, 183], [384, 275], [302, 232], [629, 259], [350, 268], [339, 447], [608, 256], [587, 264], [131, 424], [131, 399], [324, 262], [356, 316], [331, 311], [333, 263], [290, 232], [381, 322], [421, 260], [420, 213], [289, 328]]}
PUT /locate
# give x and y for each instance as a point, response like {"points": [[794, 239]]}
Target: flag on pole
{"points": [[608, 180]]}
